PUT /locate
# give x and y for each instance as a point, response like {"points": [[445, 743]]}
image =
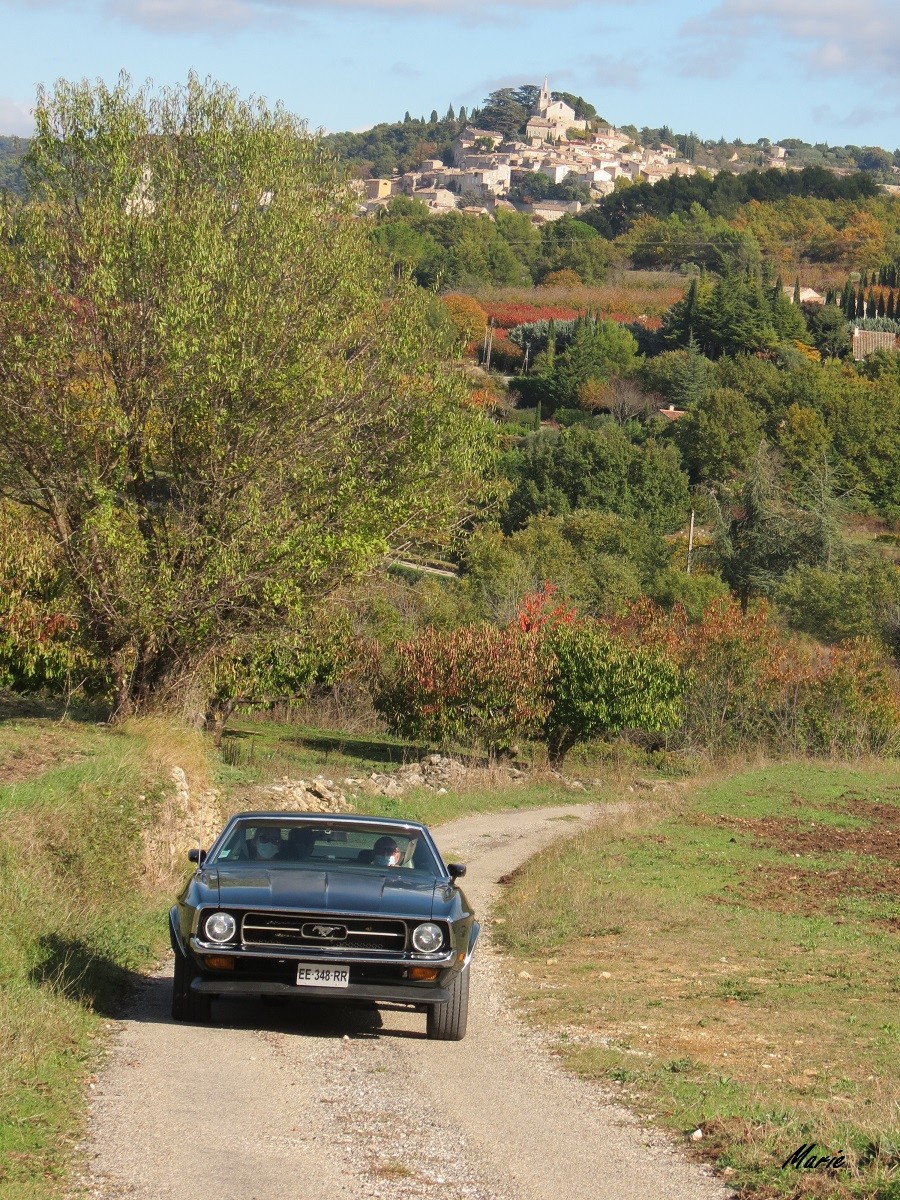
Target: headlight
{"points": [[428, 937], [220, 927]]}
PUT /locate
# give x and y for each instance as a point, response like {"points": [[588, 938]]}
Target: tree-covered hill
{"points": [[723, 194], [12, 150]]}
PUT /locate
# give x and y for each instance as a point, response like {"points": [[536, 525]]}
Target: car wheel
{"points": [[187, 1005], [447, 1022]]}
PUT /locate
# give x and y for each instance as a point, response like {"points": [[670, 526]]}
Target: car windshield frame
{"points": [[340, 845]]}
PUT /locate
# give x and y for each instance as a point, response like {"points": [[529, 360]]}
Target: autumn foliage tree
{"points": [[546, 675], [212, 392], [479, 685]]}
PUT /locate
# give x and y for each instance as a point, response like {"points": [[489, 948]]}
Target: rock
{"points": [[697, 1135]]}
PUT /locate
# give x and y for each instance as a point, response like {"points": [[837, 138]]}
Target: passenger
{"points": [[301, 843], [386, 852]]}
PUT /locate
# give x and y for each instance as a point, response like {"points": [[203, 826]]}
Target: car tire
{"points": [[187, 1005], [447, 1022]]}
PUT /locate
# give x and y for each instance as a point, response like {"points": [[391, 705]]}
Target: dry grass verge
{"points": [[732, 966], [83, 916]]}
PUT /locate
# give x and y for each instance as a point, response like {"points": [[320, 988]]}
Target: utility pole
{"points": [[490, 345], [690, 543]]}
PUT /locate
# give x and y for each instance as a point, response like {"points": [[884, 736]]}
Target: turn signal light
{"points": [[423, 973], [218, 962]]}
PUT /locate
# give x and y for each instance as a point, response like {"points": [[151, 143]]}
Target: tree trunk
{"points": [[559, 743], [216, 718]]}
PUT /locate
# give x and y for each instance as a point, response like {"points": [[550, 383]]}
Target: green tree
{"points": [[600, 686], [718, 436], [504, 112], [582, 468], [762, 533], [598, 350], [829, 331], [787, 317], [213, 393]]}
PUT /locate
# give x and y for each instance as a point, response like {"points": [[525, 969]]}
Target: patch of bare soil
{"points": [[789, 888], [807, 893]]}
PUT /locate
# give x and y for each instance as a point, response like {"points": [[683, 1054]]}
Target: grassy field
{"points": [[731, 966]]}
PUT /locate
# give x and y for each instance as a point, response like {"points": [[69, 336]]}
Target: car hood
{"points": [[328, 891]]}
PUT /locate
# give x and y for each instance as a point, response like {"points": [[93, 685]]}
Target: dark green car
{"points": [[325, 908]]}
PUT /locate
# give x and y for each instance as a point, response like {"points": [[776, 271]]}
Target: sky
{"points": [[821, 70]]}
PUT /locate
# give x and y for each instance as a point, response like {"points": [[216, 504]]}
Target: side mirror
{"points": [[457, 870], [197, 856]]}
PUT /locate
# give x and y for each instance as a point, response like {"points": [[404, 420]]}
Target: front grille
{"points": [[308, 930]]}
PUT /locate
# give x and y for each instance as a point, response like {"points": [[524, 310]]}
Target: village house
{"points": [[867, 341], [378, 189], [543, 211]]}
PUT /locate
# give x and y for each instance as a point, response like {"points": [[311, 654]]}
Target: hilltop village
{"points": [[491, 171]]}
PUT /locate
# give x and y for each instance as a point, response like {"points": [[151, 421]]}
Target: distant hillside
{"points": [[12, 150], [399, 146]]}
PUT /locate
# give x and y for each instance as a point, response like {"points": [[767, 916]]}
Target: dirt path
{"points": [[281, 1102]]}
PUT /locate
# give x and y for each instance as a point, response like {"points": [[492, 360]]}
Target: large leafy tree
{"points": [[582, 468], [213, 395], [763, 533]]}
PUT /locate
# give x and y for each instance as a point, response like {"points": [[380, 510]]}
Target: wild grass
{"points": [[731, 966], [81, 917]]}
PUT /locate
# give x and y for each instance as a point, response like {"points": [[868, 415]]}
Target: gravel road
{"points": [[273, 1102]]}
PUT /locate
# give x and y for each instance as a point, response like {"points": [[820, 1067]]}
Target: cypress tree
{"points": [[691, 380], [462, 114], [890, 310], [551, 344], [797, 291], [690, 309], [407, 119], [860, 303], [864, 279], [433, 119], [871, 308], [881, 308], [848, 300], [451, 115]]}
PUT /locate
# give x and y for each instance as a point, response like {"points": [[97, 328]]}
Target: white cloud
{"points": [[179, 16], [15, 119], [194, 16], [832, 36]]}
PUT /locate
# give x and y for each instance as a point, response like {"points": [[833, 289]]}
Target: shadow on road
{"points": [[301, 1018]]}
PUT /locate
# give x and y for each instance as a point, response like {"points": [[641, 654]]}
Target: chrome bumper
{"points": [[313, 954]]}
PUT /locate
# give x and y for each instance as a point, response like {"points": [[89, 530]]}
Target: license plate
{"points": [[310, 975]]}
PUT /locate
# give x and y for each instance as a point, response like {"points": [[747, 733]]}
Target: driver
{"points": [[266, 843], [385, 852]]}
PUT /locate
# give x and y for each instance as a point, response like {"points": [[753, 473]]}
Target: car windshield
{"points": [[323, 846]]}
